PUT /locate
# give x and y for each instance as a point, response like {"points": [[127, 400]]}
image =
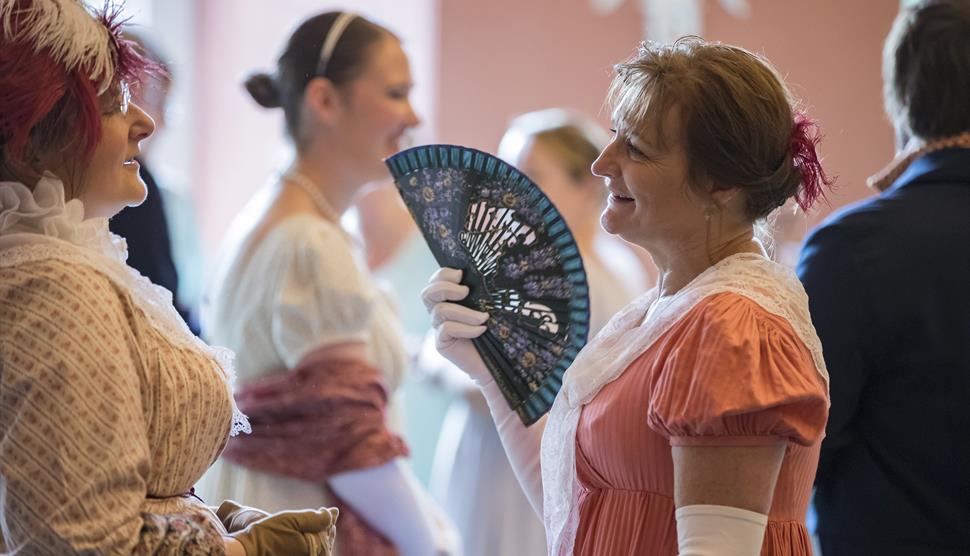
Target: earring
{"points": [[708, 213]]}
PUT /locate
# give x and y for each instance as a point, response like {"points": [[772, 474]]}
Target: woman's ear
{"points": [[724, 197], [322, 100]]}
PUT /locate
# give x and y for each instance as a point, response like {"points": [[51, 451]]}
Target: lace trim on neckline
{"points": [[772, 286], [38, 224]]}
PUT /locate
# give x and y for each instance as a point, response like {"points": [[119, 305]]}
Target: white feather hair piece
{"points": [[68, 29]]}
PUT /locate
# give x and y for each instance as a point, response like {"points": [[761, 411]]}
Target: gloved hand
{"points": [[309, 532], [455, 325], [236, 517]]}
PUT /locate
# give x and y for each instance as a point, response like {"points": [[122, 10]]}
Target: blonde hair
{"points": [[574, 140]]}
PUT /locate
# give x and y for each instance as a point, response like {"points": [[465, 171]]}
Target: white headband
{"points": [[330, 41]]}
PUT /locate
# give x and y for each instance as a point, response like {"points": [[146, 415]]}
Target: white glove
{"points": [[392, 501], [455, 325], [709, 530], [441, 372]]}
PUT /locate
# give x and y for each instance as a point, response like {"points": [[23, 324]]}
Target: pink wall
{"points": [[504, 57]]}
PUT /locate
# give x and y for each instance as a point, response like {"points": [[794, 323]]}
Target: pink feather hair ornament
{"points": [[805, 138], [55, 52]]}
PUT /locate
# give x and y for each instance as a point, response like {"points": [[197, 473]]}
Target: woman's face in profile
{"points": [[650, 200], [111, 181], [380, 108]]}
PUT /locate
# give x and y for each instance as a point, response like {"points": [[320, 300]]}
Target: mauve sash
{"points": [[324, 417]]}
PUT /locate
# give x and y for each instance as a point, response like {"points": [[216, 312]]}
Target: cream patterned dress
{"points": [[110, 409]]}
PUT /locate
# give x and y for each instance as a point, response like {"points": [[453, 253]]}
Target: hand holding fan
{"points": [[518, 258]]}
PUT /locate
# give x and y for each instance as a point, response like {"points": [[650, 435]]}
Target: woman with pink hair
{"points": [[110, 409]]}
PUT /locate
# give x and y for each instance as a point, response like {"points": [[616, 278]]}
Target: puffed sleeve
{"points": [[74, 454], [731, 373], [322, 296]]}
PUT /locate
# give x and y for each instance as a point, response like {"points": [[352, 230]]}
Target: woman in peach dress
{"points": [[691, 423]]}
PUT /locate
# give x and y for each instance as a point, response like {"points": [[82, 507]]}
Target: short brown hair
{"points": [[926, 69], [574, 150], [737, 117]]}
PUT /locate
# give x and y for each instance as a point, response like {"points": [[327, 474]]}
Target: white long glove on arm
{"points": [[391, 500], [711, 530], [455, 325]]}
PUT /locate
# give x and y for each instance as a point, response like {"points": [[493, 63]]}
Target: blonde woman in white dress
{"points": [[471, 474]]}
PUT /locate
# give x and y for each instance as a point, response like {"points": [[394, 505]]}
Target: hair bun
{"points": [[264, 90]]}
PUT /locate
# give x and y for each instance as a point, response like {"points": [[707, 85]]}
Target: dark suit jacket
{"points": [[888, 281], [149, 245]]}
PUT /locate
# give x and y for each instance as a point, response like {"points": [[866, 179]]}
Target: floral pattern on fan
{"points": [[520, 261]]}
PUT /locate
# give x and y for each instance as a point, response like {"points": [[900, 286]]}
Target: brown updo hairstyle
{"points": [[739, 127], [298, 64]]}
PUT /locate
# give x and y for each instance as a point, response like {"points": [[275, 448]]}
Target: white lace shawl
{"points": [[629, 334], [39, 224]]}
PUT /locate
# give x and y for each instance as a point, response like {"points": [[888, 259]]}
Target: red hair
{"points": [[45, 107]]}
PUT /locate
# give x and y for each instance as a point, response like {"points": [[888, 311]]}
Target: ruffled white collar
{"points": [[44, 212], [38, 223]]}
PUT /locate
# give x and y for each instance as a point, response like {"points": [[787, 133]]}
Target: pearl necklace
{"points": [[306, 184]]}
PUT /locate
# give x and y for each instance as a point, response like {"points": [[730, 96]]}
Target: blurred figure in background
{"points": [[471, 474], [318, 346], [395, 253], [555, 149], [888, 281], [145, 227], [400, 259]]}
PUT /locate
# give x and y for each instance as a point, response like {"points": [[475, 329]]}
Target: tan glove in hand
{"points": [[308, 532], [236, 517]]}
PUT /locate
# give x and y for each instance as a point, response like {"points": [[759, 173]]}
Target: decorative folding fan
{"points": [[520, 262]]}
